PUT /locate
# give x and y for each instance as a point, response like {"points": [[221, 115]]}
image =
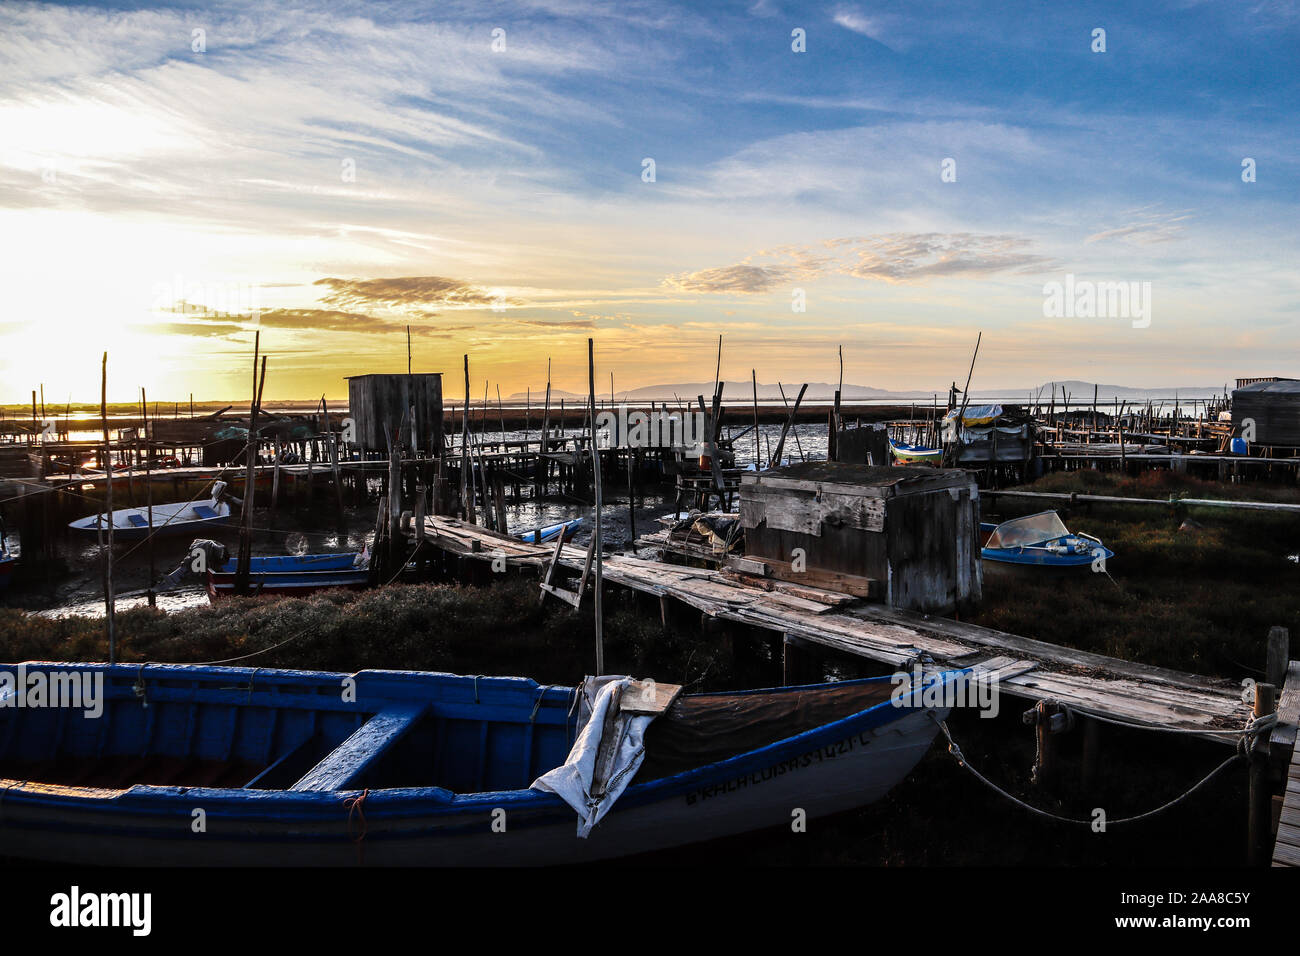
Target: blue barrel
{"points": [[1240, 447]]}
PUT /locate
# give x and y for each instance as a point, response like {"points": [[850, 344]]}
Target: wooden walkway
{"points": [[1286, 847], [1149, 697]]}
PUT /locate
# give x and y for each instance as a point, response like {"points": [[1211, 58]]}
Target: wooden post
{"points": [[780, 444], [1279, 654], [148, 491], [631, 497], [244, 563], [758, 452], [1091, 754], [334, 464], [798, 662], [466, 482], [275, 479], [499, 500], [543, 465], [394, 501], [1260, 813], [596, 539], [109, 621]]}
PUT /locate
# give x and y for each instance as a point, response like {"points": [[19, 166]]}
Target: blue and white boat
{"points": [[915, 454], [549, 533], [1040, 540], [186, 517], [296, 574], [300, 768]]}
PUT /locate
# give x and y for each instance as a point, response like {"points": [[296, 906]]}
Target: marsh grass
{"points": [[1199, 597], [498, 630]]}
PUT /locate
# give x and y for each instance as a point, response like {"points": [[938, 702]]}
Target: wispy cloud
{"points": [[893, 258], [403, 292], [1147, 227]]}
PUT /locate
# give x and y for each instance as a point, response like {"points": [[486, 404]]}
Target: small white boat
{"points": [[132, 524]]}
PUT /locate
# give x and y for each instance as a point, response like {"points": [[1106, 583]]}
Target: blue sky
{"points": [[162, 201]]}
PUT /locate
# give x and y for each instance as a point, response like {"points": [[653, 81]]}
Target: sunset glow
{"points": [[164, 192]]}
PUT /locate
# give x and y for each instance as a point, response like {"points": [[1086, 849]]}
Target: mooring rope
{"points": [[356, 806], [1243, 746]]}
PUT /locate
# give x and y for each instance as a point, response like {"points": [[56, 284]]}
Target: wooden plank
{"points": [[1030, 669], [853, 584], [346, 762], [1057, 654], [1285, 855], [650, 698], [1289, 835]]}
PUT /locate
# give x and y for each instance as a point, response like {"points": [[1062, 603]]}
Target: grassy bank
{"points": [[1194, 589], [419, 627]]}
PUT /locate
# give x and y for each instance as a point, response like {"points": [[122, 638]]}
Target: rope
{"points": [[955, 750], [538, 706], [1262, 722], [356, 807]]}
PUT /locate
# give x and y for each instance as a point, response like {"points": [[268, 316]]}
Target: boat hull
{"points": [[844, 774], [915, 454], [168, 520], [293, 574], [1039, 558], [568, 529], [837, 766]]}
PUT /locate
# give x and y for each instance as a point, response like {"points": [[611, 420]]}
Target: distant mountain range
{"points": [[1078, 391]]}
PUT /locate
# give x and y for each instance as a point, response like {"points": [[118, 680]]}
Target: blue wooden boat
{"points": [[549, 533], [412, 768], [293, 574], [1040, 540]]}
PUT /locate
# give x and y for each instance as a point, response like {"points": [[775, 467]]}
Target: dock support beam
{"points": [[1260, 814]]}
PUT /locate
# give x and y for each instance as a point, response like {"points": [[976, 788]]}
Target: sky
{"points": [[510, 179]]}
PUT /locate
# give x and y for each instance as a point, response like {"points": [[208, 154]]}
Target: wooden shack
{"points": [[1272, 407], [905, 536], [380, 405]]}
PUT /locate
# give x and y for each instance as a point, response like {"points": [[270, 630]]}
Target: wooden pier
{"points": [[1139, 694]]}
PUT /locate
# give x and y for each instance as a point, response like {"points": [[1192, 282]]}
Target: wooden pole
{"points": [[780, 443], [334, 466], [951, 452], [109, 621], [501, 413], [466, 484], [1260, 813], [718, 373], [758, 452], [393, 565], [595, 469], [1278, 656], [148, 491], [543, 466], [243, 565], [797, 443]]}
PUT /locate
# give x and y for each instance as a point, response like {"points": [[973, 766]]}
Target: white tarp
{"points": [[575, 780]]}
